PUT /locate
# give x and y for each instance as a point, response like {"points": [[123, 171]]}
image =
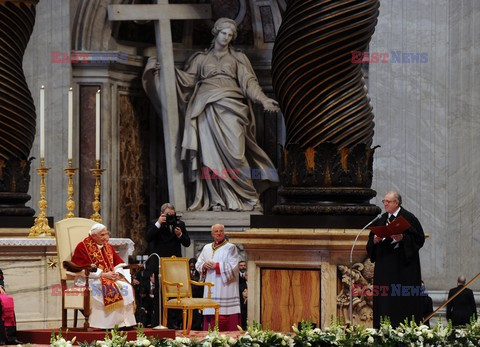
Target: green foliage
{"points": [[407, 334]]}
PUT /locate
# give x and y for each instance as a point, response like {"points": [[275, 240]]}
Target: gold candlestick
{"points": [[41, 227], [70, 204], [97, 172]]}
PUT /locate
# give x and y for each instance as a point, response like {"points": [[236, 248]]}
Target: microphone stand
{"points": [[351, 266], [159, 326]]}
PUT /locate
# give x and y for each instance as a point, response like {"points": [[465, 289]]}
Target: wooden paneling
{"points": [[289, 296]]}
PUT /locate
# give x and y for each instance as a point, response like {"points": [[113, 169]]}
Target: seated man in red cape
{"points": [[112, 296], [8, 324]]}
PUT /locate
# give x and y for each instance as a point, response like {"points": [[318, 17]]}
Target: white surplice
{"points": [[225, 291]]}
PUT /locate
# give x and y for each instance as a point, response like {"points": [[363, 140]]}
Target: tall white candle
{"points": [[42, 122], [70, 123], [97, 126]]}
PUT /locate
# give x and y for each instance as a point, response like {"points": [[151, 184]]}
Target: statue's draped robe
{"points": [[215, 96]]}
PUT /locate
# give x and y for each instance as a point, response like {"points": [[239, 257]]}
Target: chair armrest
{"points": [[203, 284], [70, 266], [177, 284]]}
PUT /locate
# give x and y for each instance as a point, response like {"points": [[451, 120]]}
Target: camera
{"points": [[171, 219]]}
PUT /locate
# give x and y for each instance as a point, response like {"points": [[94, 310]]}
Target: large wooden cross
{"points": [[162, 13]]}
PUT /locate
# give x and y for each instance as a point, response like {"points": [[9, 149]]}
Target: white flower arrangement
{"points": [[406, 334], [59, 341]]}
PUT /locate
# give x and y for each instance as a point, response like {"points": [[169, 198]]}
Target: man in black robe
{"points": [[463, 307], [397, 275], [166, 237], [427, 305]]}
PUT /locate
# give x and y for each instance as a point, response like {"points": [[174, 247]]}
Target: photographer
{"points": [[166, 237]]}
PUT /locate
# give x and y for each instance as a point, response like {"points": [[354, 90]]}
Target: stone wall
{"points": [[427, 124]]}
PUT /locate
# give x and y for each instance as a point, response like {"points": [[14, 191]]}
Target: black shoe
{"points": [[15, 342], [2, 343]]}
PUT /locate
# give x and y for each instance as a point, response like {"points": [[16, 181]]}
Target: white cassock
{"points": [[100, 255], [123, 316], [225, 291]]}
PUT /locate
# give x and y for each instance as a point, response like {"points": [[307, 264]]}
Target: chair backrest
{"points": [[69, 232], [175, 270]]}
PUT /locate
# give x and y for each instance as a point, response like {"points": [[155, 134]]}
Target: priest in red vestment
{"points": [[112, 295]]}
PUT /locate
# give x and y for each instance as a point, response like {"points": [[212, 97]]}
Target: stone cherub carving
{"points": [[362, 276], [216, 91]]}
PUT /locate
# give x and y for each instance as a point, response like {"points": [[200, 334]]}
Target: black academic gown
{"points": [[460, 309], [397, 273], [427, 308], [165, 242]]}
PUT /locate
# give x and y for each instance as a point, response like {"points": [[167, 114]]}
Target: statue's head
{"points": [[223, 23]]}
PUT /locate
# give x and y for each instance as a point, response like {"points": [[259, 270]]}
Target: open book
{"points": [[398, 226]]}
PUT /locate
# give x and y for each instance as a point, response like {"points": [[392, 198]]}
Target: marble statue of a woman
{"points": [[219, 148]]}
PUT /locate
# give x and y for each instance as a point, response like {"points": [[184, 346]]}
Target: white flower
{"points": [[370, 340], [184, 340]]}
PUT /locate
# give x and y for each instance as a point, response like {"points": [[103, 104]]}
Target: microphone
{"points": [[145, 262], [159, 326], [351, 264]]}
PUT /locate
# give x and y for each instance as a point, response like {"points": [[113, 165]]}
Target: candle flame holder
{"points": [[96, 204], [41, 227], [70, 203]]}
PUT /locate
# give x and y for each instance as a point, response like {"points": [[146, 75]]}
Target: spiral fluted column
{"points": [[327, 159], [17, 110]]}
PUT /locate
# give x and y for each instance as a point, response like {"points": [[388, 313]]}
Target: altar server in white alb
{"points": [[218, 263]]}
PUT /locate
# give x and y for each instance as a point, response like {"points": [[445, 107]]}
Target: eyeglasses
{"points": [[388, 201]]}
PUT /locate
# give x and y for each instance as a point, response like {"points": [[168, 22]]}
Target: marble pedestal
{"points": [[292, 273], [30, 274]]}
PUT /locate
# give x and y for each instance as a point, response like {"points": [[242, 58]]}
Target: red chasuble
{"points": [[87, 252], [8, 311]]}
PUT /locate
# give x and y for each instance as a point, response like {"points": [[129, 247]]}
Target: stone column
{"points": [[327, 159], [17, 111]]}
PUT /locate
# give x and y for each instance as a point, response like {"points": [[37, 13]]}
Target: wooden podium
{"points": [[292, 273]]}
